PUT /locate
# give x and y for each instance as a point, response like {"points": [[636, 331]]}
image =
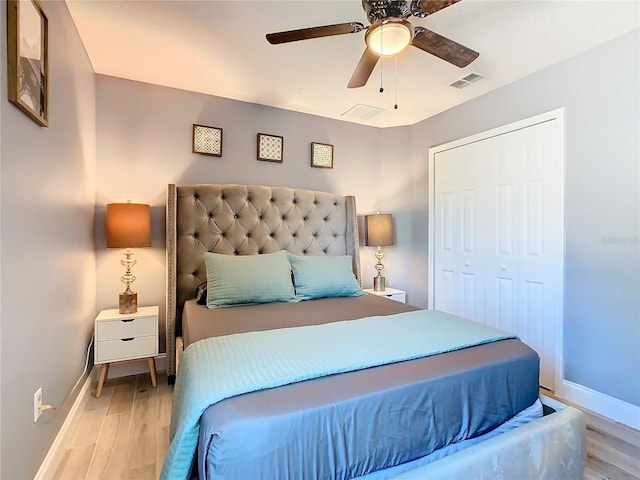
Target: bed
{"points": [[478, 404]]}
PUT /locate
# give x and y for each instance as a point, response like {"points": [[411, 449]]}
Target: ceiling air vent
{"points": [[362, 112], [466, 80], [472, 77], [459, 84]]}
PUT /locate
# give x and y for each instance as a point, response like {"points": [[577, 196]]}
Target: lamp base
{"points": [[378, 283], [128, 302]]}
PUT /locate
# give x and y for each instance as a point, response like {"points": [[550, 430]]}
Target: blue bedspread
{"points": [[222, 367]]}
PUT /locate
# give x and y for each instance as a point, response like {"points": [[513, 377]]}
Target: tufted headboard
{"points": [[247, 220]]}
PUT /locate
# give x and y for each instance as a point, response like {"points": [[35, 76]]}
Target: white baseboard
{"points": [[56, 453], [605, 405]]}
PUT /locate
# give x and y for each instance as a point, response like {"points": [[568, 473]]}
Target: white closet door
{"points": [[498, 235], [459, 262]]}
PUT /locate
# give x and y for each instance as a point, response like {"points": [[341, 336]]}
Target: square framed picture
{"points": [[270, 147], [28, 59], [207, 140], [321, 155]]}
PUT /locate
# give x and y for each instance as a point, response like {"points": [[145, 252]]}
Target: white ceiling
{"points": [[219, 48]]}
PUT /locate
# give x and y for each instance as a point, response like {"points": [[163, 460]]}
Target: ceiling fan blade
{"points": [[314, 32], [422, 8], [363, 71], [443, 48]]}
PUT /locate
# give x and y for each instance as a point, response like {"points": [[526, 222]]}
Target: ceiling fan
{"points": [[389, 33]]}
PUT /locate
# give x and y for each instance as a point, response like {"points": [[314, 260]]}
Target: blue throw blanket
{"points": [[222, 367]]}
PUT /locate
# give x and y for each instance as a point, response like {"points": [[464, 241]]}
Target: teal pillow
{"points": [[322, 276], [248, 279]]}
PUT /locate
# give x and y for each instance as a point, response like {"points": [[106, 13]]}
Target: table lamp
{"points": [[128, 226], [379, 233]]}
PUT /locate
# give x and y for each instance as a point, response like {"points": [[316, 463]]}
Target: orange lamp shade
{"points": [[128, 225]]}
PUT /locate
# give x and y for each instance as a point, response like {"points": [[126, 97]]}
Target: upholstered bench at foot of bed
{"points": [[551, 448]]}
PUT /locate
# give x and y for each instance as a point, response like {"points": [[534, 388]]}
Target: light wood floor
{"points": [[125, 435]]}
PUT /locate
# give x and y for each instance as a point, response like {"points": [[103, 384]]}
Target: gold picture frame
{"points": [[28, 59], [321, 155], [270, 148], [206, 140]]}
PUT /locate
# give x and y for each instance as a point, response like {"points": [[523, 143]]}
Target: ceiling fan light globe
{"points": [[389, 36]]}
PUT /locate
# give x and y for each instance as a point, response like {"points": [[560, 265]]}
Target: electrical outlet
{"points": [[37, 403]]}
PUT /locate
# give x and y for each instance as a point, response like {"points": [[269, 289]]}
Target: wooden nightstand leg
{"points": [[152, 371], [104, 371]]}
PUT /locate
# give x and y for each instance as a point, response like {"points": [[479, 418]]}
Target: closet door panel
{"points": [[497, 255]]}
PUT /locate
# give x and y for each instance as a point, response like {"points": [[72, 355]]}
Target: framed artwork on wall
{"points": [[270, 147], [321, 155], [28, 59], [207, 140]]}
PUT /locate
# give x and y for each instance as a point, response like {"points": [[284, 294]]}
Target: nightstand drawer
{"points": [[126, 328], [124, 349], [390, 293], [398, 297]]}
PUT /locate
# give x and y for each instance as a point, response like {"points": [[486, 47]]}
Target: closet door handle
{"points": [[503, 267]]}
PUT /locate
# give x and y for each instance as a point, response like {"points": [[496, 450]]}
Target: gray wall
{"points": [[48, 262], [144, 143], [601, 95]]}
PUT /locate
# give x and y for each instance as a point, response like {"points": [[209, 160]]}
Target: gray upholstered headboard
{"points": [[247, 220]]}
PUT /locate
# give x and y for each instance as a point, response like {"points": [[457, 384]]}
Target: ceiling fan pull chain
{"points": [[381, 88], [395, 58]]}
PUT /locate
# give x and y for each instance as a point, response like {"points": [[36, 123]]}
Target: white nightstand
{"points": [[391, 293], [127, 336]]}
